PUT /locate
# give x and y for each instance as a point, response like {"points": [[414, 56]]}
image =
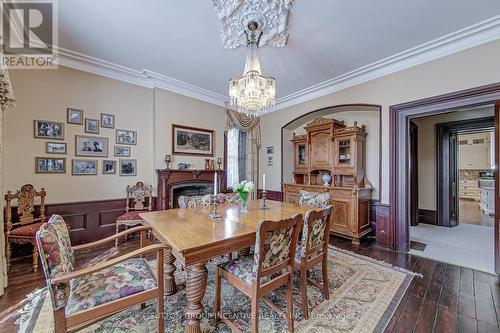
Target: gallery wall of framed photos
{"points": [[144, 113], [82, 136]]}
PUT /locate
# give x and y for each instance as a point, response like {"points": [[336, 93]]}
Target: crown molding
{"points": [[143, 78], [474, 35]]}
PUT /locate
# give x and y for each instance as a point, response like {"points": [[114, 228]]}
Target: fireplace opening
{"points": [[189, 189]]}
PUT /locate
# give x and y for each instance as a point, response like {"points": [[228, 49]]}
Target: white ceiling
{"points": [[180, 39]]}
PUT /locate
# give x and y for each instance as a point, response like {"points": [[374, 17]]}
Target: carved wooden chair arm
{"points": [[110, 238], [99, 267]]}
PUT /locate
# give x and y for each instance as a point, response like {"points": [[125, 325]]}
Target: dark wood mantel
{"points": [[170, 177]]}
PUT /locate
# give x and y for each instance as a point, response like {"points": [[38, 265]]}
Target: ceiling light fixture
{"points": [[252, 93]]}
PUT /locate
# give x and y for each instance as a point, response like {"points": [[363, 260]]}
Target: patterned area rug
{"points": [[364, 294]]}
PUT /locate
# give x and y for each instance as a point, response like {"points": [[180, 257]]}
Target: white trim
{"points": [[144, 78], [474, 35]]}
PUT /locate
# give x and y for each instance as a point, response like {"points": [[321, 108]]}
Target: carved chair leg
{"points": [[60, 321], [7, 252], [324, 268], [255, 314], [35, 258], [160, 310], [303, 291], [116, 232], [289, 303], [217, 295]]}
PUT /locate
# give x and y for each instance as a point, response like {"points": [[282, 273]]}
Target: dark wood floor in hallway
{"points": [[446, 299]]}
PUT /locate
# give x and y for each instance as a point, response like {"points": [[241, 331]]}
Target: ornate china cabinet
{"points": [[330, 147]]}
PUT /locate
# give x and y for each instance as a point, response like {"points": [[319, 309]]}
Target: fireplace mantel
{"points": [[170, 177]]}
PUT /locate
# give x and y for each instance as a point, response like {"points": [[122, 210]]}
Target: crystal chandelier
{"points": [[252, 93]]}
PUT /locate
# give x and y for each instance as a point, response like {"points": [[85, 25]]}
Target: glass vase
{"points": [[243, 199]]}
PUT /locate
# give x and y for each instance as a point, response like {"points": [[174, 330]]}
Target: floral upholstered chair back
{"points": [[138, 195], [54, 246], [275, 245], [315, 232], [314, 199], [185, 201]]}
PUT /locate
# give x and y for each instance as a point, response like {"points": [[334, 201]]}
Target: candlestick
{"points": [[214, 214], [215, 183], [264, 182], [168, 159], [264, 207], [219, 163]]}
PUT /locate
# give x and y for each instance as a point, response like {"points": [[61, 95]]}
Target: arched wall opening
{"points": [[365, 114]]}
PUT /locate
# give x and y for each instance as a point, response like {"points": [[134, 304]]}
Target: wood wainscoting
{"points": [[88, 221], [427, 216], [271, 195]]}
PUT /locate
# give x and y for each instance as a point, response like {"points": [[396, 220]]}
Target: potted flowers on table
{"points": [[243, 188]]}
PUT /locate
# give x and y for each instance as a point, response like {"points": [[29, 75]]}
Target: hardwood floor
{"points": [[446, 299], [470, 213]]}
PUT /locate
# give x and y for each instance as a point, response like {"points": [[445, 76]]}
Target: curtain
{"points": [[251, 127], [6, 101]]}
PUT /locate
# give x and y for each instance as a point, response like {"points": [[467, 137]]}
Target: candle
{"points": [[215, 183], [263, 182]]}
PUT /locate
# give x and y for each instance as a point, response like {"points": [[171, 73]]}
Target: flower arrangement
{"points": [[243, 188]]}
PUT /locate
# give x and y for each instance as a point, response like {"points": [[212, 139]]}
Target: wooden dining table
{"points": [[194, 239]]}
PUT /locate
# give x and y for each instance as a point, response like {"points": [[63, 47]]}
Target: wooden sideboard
{"points": [[351, 217]]}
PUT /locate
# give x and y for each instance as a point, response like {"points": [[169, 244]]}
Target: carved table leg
{"points": [[170, 286], [244, 252], [196, 285]]}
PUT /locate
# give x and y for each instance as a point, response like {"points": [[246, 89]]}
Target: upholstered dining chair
{"points": [[185, 201], [85, 296], [137, 195], [23, 231], [268, 269], [314, 199], [312, 249]]}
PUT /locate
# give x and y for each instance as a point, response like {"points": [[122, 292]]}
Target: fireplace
{"points": [[190, 189], [173, 183]]}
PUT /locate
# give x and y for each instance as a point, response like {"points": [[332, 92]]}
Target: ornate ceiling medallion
{"points": [[235, 15]]}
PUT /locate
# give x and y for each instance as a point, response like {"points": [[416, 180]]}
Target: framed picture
{"points": [[128, 167], [83, 167], [108, 167], [75, 116], [49, 130], [107, 120], [50, 165], [192, 141], [270, 149], [126, 137], [91, 126], [270, 161], [55, 148], [91, 146], [122, 151]]}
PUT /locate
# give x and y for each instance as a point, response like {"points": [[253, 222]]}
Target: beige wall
{"points": [[45, 95], [427, 167], [171, 108], [470, 68]]}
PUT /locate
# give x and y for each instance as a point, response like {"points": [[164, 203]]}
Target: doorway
{"points": [[454, 153], [400, 187]]}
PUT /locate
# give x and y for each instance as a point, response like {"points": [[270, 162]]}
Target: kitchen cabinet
{"points": [[474, 151]]}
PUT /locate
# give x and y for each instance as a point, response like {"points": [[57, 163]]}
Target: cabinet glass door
{"points": [[301, 155], [344, 152]]}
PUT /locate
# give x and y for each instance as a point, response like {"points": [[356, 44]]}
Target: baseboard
{"points": [[427, 216]]}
